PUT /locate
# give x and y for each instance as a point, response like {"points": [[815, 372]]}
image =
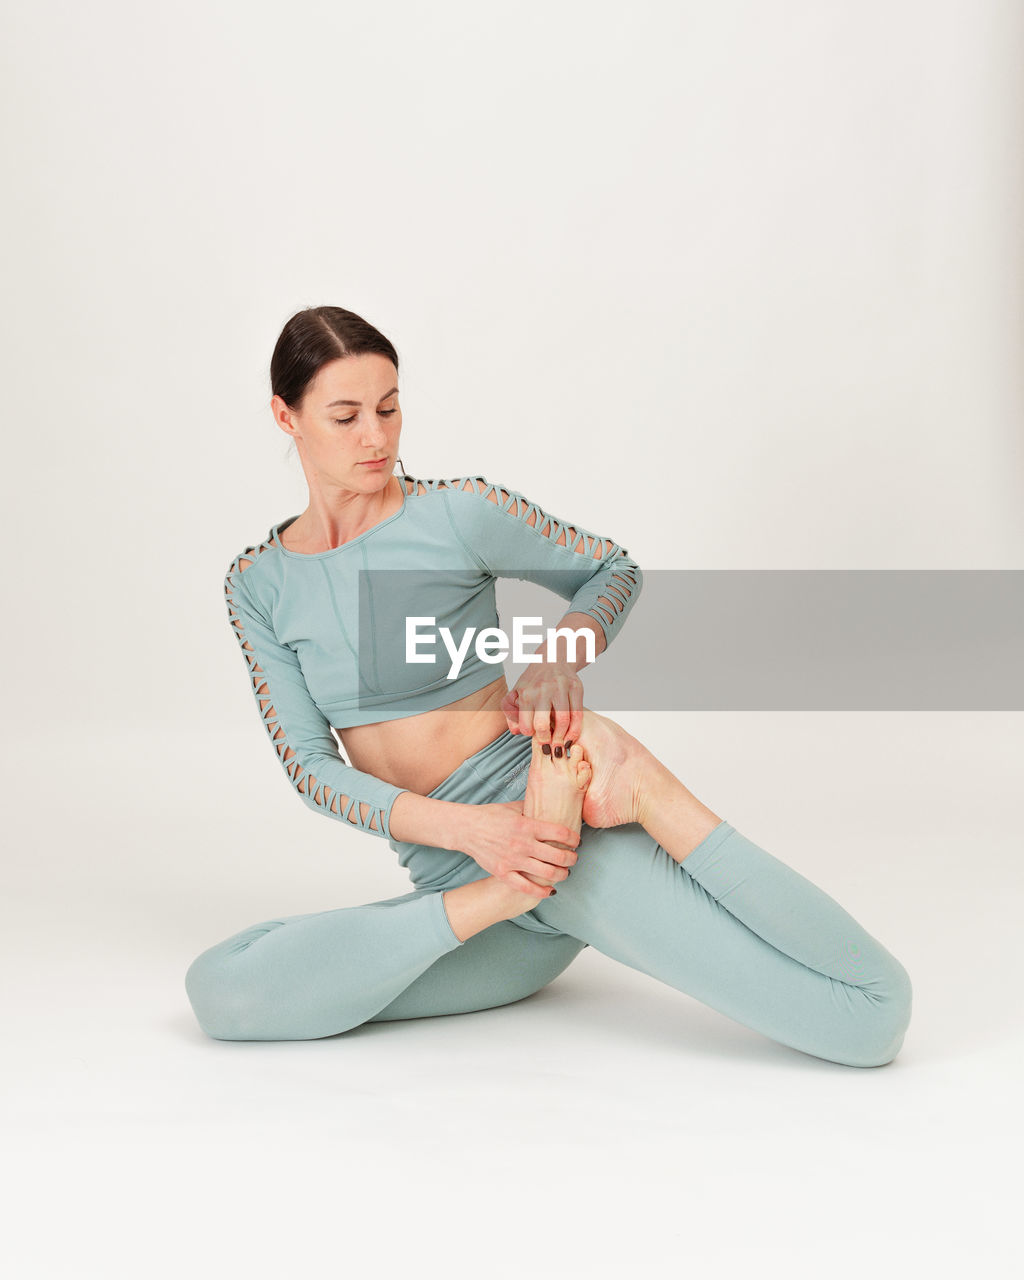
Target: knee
{"points": [[221, 998], [886, 1018], [204, 990]]}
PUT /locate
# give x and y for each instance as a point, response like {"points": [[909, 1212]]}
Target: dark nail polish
{"points": [[567, 746], [558, 753], [546, 748]]}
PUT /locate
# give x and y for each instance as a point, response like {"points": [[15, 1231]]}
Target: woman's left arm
{"points": [[510, 536]]}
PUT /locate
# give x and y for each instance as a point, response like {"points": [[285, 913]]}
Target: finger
{"points": [[542, 724], [575, 727], [510, 710], [552, 853], [561, 716], [526, 712], [549, 873], [522, 885]]}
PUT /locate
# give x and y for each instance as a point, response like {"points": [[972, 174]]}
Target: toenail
{"points": [[558, 753], [567, 746], [546, 748]]}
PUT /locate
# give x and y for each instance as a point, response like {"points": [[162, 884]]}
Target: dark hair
{"points": [[314, 337]]}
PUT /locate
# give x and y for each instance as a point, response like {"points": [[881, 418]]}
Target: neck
{"points": [[331, 519]]}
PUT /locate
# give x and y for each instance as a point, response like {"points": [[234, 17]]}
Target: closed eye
{"points": [[384, 413]]}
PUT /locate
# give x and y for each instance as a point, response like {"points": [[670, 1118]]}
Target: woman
{"points": [[483, 791]]}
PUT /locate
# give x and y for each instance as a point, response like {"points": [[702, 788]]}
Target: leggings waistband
{"points": [[496, 763]]}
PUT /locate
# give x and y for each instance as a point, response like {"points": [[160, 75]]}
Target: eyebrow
{"points": [[359, 403]]}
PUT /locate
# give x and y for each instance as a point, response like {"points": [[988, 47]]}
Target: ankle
{"points": [[658, 790], [673, 815], [474, 907]]}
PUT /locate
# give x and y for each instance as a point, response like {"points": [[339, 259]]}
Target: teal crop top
{"points": [[324, 638]]}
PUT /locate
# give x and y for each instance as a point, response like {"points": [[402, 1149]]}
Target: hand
{"points": [[511, 902], [546, 702], [512, 847]]}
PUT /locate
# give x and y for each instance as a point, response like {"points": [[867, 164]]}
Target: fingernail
{"points": [[546, 748], [558, 753]]}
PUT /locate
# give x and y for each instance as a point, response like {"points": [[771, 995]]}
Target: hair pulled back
{"points": [[314, 337]]}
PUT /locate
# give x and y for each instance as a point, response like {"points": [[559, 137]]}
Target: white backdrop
{"points": [[736, 284]]}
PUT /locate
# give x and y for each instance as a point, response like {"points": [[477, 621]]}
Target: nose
{"points": [[375, 434]]}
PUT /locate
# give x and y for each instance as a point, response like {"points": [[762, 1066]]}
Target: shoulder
{"points": [[247, 563], [475, 486]]}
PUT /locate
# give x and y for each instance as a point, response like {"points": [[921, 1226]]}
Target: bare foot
{"points": [[627, 783], [621, 766], [555, 787]]}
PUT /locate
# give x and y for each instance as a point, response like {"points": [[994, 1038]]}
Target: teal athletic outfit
{"points": [[731, 926]]}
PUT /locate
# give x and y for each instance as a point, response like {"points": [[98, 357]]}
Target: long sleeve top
{"points": [[325, 636]]}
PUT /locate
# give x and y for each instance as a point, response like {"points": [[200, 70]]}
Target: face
{"points": [[349, 416]]}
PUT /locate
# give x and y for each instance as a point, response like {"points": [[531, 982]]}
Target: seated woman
{"points": [[490, 797]]}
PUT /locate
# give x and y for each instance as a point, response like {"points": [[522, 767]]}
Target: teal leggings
{"points": [[731, 926]]}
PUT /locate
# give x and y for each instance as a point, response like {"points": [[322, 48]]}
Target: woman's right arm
{"points": [[299, 731]]}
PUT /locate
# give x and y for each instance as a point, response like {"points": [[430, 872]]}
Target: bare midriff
{"points": [[418, 752]]}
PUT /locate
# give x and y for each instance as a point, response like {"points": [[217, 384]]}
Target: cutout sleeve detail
{"points": [[299, 731], [512, 537]]}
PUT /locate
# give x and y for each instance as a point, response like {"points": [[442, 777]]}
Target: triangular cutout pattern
{"points": [[621, 587], [360, 814]]}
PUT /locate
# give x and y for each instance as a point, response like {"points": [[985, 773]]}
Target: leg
{"points": [[308, 976], [491, 968], [677, 893]]}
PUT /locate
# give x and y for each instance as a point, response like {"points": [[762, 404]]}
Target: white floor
{"points": [[607, 1125]]}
